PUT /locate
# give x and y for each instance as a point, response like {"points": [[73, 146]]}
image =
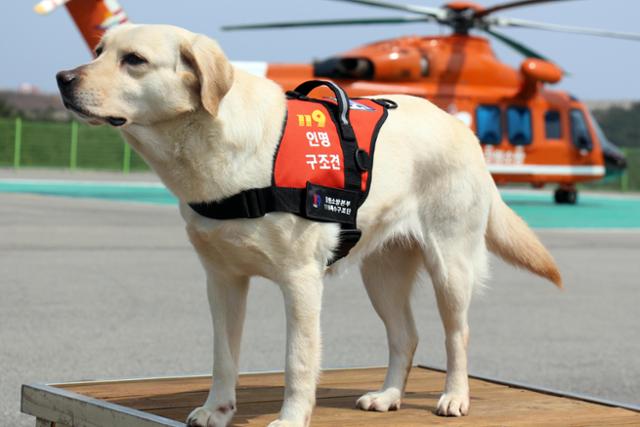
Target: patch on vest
{"points": [[331, 204], [358, 106], [354, 105]]}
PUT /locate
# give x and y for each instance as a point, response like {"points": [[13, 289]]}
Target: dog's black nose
{"points": [[66, 79]]}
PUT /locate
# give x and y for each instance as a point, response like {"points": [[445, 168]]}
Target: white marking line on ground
{"points": [[144, 184], [598, 230], [546, 169], [542, 192]]}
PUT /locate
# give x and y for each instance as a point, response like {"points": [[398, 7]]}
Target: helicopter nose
{"points": [[66, 80]]}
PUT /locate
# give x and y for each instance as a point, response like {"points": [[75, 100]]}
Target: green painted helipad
{"points": [[141, 192], [591, 211], [537, 208]]}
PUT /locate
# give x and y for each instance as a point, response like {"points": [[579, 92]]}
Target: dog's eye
{"points": [[98, 51], [133, 59]]}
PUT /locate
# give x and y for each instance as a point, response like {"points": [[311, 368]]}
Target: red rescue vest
{"points": [[322, 166]]}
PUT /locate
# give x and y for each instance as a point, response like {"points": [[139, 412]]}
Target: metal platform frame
{"points": [[54, 406]]}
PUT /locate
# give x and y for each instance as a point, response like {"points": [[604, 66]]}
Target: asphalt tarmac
{"points": [[93, 289]]}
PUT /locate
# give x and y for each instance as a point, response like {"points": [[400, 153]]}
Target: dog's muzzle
{"points": [[67, 82]]}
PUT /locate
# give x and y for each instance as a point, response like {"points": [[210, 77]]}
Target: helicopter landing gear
{"points": [[566, 195]]}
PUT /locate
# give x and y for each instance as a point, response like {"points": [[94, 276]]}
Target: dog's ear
{"points": [[212, 67]]}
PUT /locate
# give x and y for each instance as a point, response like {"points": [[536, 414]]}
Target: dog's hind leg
{"points": [[389, 275], [454, 266], [227, 300]]}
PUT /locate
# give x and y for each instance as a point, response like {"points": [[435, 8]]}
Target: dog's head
{"points": [[144, 74]]}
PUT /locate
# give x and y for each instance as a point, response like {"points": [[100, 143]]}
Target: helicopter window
{"points": [[580, 131], [552, 125], [489, 124], [519, 125], [344, 68]]}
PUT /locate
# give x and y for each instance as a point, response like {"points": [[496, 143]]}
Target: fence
{"points": [[69, 145], [75, 145]]}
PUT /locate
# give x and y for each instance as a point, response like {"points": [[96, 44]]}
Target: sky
{"points": [[33, 48]]}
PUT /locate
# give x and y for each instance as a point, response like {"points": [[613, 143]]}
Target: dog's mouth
{"points": [[93, 118]]}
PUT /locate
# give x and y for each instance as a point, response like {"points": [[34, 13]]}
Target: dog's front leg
{"points": [[303, 299], [227, 301]]}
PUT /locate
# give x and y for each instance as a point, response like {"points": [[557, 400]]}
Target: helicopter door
{"points": [[580, 135], [519, 125]]}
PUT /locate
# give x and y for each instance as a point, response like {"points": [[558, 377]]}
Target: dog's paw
{"points": [[453, 405], [380, 401], [203, 417]]}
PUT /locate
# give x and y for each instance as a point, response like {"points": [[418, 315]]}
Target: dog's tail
{"points": [[511, 238]]}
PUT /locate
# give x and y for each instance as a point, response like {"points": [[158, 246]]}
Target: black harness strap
{"points": [[254, 203]]}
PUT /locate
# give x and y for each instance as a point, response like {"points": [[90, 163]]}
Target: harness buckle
{"points": [[362, 160]]}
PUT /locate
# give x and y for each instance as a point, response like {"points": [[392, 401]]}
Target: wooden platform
{"points": [[167, 401]]}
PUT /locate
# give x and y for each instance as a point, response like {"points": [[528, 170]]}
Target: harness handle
{"points": [[341, 97]]}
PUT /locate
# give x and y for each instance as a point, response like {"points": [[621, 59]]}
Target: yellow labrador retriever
{"points": [[210, 131]]}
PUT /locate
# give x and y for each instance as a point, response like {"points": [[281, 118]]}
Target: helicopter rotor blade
{"points": [[434, 12], [330, 22], [512, 4], [517, 46], [522, 23]]}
